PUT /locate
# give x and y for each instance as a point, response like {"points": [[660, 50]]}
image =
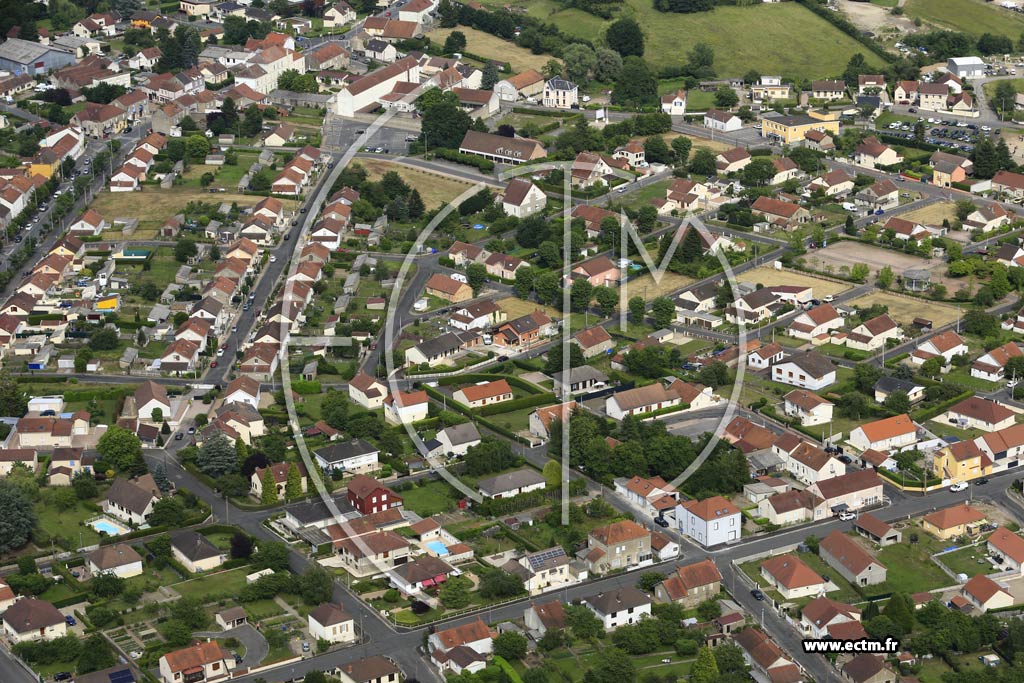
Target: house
{"points": [[855, 564], [947, 344], [331, 623], [988, 218], [561, 94], [195, 552], [691, 584], [975, 412], [653, 496], [986, 594], [821, 614], [780, 212], [545, 570], [132, 500], [503, 266], [447, 288], [646, 399], [747, 436], [869, 668], [770, 88], [464, 647], [522, 198], [791, 576], [961, 461], [242, 390], [958, 520], [674, 104], [369, 496], [198, 663], [367, 391], [722, 121], [765, 356], [808, 463], [542, 418], [620, 545], [527, 84], [819, 140], [618, 607], [338, 15], [119, 559], [949, 168], [880, 195], [441, 349], [1010, 547], [990, 365], [588, 169], [711, 521], [89, 224], [598, 271], [478, 315], [835, 183], [850, 491], [511, 484], [732, 160], [594, 341], [374, 669], [10, 456], [544, 617], [765, 657], [456, 440], [876, 530], [32, 619], [1008, 183], [792, 507], [406, 407], [793, 129], [871, 153], [887, 385], [501, 149], [785, 169], [807, 370], [486, 393], [279, 472], [828, 90], [810, 408], [350, 456], [874, 333]]}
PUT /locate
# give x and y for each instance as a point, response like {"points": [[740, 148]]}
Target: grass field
{"points": [[516, 308], [905, 309], [429, 500], [714, 145], [933, 214], [492, 47], [646, 286], [434, 189], [737, 35], [209, 586], [970, 16], [770, 277], [910, 568]]}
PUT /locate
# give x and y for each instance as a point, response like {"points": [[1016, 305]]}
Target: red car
{"points": [[224, 345], [213, 364]]}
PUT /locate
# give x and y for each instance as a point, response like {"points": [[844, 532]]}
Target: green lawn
{"points": [[737, 35], [963, 376], [644, 195], [910, 567], [429, 499], [210, 586], [965, 561], [54, 524], [970, 16]]}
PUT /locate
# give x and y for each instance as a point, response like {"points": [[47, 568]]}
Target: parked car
{"points": [[758, 595], [179, 436], [70, 620], [847, 516], [661, 521], [959, 486]]}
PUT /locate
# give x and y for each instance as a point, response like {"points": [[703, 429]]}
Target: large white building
{"points": [[966, 67], [366, 91], [711, 521]]}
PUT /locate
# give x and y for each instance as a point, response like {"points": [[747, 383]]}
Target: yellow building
{"points": [[792, 129], [958, 520], [961, 461], [109, 304], [45, 164]]}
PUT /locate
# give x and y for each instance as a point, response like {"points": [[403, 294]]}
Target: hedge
{"points": [[70, 600], [453, 155], [899, 479], [474, 377], [925, 414], [543, 112], [512, 674], [468, 412], [516, 404]]}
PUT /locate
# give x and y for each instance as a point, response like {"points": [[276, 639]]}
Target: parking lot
{"points": [[958, 136]]}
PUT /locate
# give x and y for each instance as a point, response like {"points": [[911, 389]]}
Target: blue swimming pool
{"points": [[109, 527], [438, 548]]}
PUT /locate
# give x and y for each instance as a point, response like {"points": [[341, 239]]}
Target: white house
{"points": [[331, 623], [792, 577], [711, 521], [674, 104], [457, 439], [522, 198], [118, 559], [619, 607], [722, 121], [886, 434], [367, 391], [810, 408], [807, 370], [946, 344], [33, 619], [406, 407], [198, 663]]}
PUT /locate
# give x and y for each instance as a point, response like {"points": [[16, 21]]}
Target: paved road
{"points": [[256, 646]]}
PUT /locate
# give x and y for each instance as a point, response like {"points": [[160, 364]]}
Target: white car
{"points": [[273, 259], [847, 516], [959, 486], [220, 352], [828, 298]]}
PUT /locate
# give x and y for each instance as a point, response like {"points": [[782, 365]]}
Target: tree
{"points": [[637, 309], [269, 494], [609, 64], [272, 555], [96, 655], [455, 42], [703, 162], [759, 171], [625, 37], [681, 147], [241, 545], [700, 61], [931, 367], [293, 485], [992, 44], [217, 456], [709, 609], [611, 665], [510, 645], [120, 448], [185, 249], [705, 668], [448, 13], [580, 60], [490, 455], [103, 339], [415, 205], [476, 274], [252, 122], [656, 151], [552, 474], [552, 69], [315, 585], [897, 402], [444, 123], [885, 277], [726, 97], [607, 299], [455, 594], [17, 517], [555, 358], [663, 311], [107, 585], [583, 623], [636, 85], [490, 76], [84, 486], [82, 358]]}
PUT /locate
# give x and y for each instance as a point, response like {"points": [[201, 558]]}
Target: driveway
{"points": [[256, 648]]}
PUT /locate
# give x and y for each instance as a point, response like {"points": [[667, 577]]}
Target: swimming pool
{"points": [[108, 526], [438, 548]]}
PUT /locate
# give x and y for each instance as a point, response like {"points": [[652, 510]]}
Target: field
{"points": [[905, 309], [714, 145], [840, 254], [970, 16], [770, 277], [737, 35], [516, 308], [434, 189], [492, 47], [932, 214], [646, 287], [430, 499]]}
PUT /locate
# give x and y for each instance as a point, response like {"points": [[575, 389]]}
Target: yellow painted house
{"points": [[792, 129], [46, 164], [108, 304], [961, 461]]}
